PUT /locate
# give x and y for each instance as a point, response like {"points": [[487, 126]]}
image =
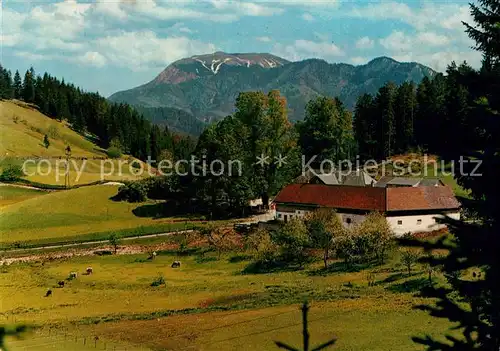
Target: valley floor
{"points": [[211, 304]]}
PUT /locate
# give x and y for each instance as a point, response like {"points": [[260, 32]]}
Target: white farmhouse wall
{"points": [[419, 223], [348, 219], [399, 224]]}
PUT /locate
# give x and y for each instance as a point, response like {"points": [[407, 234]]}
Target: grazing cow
{"points": [[61, 284], [73, 275], [89, 270], [176, 264], [48, 293]]}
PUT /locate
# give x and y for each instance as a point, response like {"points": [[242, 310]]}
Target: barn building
{"points": [[407, 209]]}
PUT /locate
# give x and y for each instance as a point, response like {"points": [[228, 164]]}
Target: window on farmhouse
{"points": [[348, 220], [279, 215], [400, 222], [419, 221]]}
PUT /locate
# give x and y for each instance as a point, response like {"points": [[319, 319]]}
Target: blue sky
{"points": [[111, 45]]}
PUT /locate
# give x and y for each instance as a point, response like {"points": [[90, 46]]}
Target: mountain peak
{"points": [[210, 64]]}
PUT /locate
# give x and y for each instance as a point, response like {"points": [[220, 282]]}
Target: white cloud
{"points": [[246, 8], [263, 39], [308, 17], [92, 58], [63, 20], [303, 49], [303, 3], [144, 50], [443, 15], [358, 60], [434, 50], [441, 59], [432, 39], [397, 41], [110, 8], [174, 10], [11, 25], [364, 43]]}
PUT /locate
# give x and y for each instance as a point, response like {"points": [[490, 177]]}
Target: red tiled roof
{"points": [[334, 196], [421, 198], [369, 198]]}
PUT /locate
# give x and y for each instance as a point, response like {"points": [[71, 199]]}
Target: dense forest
{"points": [[430, 117], [119, 125]]}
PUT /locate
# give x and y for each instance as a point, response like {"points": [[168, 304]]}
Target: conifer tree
{"points": [[17, 85]]}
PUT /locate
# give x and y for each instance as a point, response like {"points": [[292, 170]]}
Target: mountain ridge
{"points": [[206, 86]]}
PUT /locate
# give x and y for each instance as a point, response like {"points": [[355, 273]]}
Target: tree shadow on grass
{"points": [[260, 267], [342, 267], [409, 286], [395, 277]]}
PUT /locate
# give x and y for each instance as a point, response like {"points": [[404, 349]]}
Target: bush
{"points": [[371, 240], [53, 131], [11, 173], [292, 239], [160, 280], [114, 152], [132, 192]]}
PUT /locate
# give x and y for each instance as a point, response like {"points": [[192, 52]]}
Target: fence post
{"points": [[85, 341]]}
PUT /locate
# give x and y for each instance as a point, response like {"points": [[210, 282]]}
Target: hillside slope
{"points": [[22, 129], [205, 87]]}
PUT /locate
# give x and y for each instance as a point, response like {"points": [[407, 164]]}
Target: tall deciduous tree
{"points": [[327, 130], [269, 138]]}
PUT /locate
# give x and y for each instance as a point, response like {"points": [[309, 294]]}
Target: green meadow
{"points": [[211, 304]]}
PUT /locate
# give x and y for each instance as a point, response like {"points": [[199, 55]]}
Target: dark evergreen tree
{"points": [[29, 86], [386, 128], [405, 108], [475, 302], [17, 85], [365, 126], [6, 85]]}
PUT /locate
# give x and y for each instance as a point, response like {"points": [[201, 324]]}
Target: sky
{"points": [[113, 45]]}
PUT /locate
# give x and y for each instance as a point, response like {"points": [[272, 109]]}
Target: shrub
{"points": [[11, 173], [114, 152], [132, 192], [292, 240], [53, 131], [159, 280], [371, 240]]}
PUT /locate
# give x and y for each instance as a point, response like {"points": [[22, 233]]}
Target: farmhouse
{"points": [[407, 209]]}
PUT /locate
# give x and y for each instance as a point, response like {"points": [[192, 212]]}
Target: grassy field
{"points": [[22, 129], [211, 305], [10, 195], [70, 214]]}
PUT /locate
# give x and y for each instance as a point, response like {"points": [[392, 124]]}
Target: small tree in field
{"points": [[367, 242], [218, 238], [261, 245], [46, 141], [114, 240], [324, 226], [409, 258], [293, 239]]}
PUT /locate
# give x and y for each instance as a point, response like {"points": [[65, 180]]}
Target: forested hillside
{"points": [[110, 124], [206, 87]]}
